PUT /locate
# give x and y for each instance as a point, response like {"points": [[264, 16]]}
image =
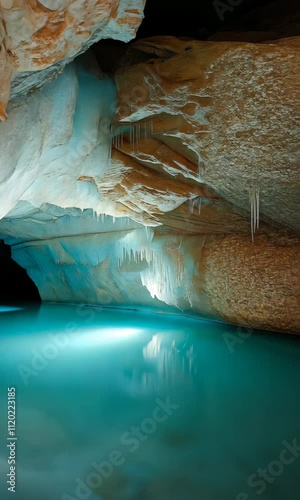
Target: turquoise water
{"points": [[127, 405]]}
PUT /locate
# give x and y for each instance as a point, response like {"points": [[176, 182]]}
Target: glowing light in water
{"points": [[102, 336], [4, 309]]}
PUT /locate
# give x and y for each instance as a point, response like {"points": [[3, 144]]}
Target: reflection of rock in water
{"points": [[175, 359], [166, 363]]}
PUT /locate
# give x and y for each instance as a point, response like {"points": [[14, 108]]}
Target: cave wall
{"points": [[38, 39], [173, 183]]}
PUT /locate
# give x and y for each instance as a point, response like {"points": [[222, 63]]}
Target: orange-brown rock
{"points": [[254, 285], [205, 150], [35, 35], [5, 73], [141, 193], [232, 109], [225, 115]]}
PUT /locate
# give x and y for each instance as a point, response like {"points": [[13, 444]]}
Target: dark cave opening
{"points": [[247, 20], [197, 19], [16, 285]]}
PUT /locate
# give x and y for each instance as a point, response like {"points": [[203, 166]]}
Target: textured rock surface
{"points": [[45, 35], [200, 128], [62, 162], [75, 257], [257, 285], [233, 109], [53, 152]]}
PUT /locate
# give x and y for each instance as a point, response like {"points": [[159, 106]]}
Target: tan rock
{"points": [[39, 34], [5, 73], [141, 193], [206, 139], [254, 285], [231, 108]]}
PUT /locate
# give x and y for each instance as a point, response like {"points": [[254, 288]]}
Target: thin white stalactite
{"points": [[257, 207], [133, 137], [199, 207], [195, 204], [254, 209], [130, 135], [111, 140]]}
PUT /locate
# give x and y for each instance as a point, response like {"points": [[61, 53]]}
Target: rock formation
{"points": [[174, 185], [232, 109], [47, 34]]}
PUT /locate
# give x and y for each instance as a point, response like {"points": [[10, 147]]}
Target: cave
{"points": [[16, 284], [149, 249], [199, 19]]}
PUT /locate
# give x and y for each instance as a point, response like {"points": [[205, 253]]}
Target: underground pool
{"points": [[119, 404]]}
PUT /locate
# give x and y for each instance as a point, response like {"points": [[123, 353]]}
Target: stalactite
{"points": [[195, 204], [134, 131], [110, 141], [165, 273], [254, 209], [136, 246]]}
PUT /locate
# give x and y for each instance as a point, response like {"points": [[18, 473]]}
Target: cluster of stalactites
{"points": [[164, 274], [194, 205], [164, 271], [133, 132], [135, 246]]}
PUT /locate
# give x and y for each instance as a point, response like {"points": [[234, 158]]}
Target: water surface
{"points": [[127, 405]]}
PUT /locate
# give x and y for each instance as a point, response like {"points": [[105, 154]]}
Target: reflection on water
{"points": [[127, 405]]}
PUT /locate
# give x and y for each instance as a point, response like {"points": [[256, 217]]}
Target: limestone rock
{"points": [[121, 262], [42, 36], [52, 152], [154, 206], [68, 163], [254, 285], [230, 108]]}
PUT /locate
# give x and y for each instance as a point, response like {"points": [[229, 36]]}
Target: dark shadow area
{"points": [[15, 282], [193, 18], [236, 20]]}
